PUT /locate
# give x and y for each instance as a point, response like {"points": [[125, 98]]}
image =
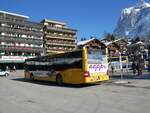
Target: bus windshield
{"points": [[96, 57]]}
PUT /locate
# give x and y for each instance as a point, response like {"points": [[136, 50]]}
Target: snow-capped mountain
{"points": [[134, 21]]}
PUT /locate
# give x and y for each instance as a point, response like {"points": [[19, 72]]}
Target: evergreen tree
{"points": [[112, 37], [91, 37], [137, 39], [84, 38], [109, 37]]}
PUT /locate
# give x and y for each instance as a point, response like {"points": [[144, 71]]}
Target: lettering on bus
{"points": [[97, 67]]}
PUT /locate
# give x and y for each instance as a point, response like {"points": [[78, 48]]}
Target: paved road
{"points": [[20, 96]]}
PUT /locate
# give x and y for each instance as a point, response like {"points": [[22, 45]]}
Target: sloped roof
{"points": [[110, 42], [85, 41]]}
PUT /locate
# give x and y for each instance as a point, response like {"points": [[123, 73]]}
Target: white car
{"points": [[4, 73]]}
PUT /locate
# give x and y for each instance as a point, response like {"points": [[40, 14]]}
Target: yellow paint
{"points": [[75, 75], [26, 75], [96, 78], [84, 61], [56, 52], [55, 22], [123, 61]]}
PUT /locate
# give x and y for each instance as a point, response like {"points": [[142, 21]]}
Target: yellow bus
{"points": [[76, 67]]}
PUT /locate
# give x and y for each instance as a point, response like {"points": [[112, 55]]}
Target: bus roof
{"points": [[50, 54]]}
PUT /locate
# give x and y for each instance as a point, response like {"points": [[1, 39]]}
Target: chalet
{"points": [[115, 46], [93, 43]]}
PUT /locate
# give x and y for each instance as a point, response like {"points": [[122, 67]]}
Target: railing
{"points": [[62, 29], [24, 23], [19, 48], [52, 49], [60, 36], [61, 43], [16, 39], [14, 30]]}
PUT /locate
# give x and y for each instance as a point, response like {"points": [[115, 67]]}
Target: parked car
{"points": [[4, 73]]}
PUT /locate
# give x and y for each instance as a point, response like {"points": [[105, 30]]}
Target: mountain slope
{"points": [[134, 21]]}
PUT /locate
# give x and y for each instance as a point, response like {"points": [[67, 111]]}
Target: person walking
{"points": [[148, 67], [14, 68], [134, 67], [140, 64], [112, 69]]}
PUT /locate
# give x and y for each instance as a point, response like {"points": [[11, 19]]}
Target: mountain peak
{"points": [[143, 4], [134, 21], [142, 1]]}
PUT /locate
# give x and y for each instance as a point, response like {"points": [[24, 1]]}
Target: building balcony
{"points": [[61, 43], [24, 23], [20, 49], [66, 30], [50, 35], [58, 50], [20, 31], [20, 40]]}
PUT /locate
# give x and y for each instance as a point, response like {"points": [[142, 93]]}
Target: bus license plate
{"points": [[94, 79]]}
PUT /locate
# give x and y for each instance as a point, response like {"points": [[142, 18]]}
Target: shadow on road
{"points": [[130, 77], [54, 84]]}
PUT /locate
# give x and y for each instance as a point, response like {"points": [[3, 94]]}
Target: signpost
{"points": [[121, 81]]}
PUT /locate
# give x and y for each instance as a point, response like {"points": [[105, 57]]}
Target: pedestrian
{"points": [[134, 67], [148, 67], [112, 69], [140, 65], [14, 68]]}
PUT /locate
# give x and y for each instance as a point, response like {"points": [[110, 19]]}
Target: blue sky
{"points": [[89, 17]]}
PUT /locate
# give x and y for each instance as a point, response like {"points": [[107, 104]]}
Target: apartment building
{"points": [[58, 37], [19, 38]]}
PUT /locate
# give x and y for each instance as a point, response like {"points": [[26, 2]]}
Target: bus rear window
{"points": [[96, 56]]}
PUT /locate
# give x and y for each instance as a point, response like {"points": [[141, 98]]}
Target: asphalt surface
{"points": [[20, 96]]}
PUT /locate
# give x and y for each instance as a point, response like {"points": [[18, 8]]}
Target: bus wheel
{"points": [[59, 80], [31, 77]]}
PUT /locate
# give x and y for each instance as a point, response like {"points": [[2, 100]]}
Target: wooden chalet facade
{"points": [[91, 44], [116, 46]]}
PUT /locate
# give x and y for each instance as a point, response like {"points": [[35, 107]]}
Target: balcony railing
{"points": [[20, 49], [20, 40], [61, 43], [62, 29], [14, 30], [52, 49], [24, 23], [60, 36]]}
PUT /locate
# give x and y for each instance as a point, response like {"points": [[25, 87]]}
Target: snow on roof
{"points": [[137, 43], [107, 43], [140, 42], [85, 41]]}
